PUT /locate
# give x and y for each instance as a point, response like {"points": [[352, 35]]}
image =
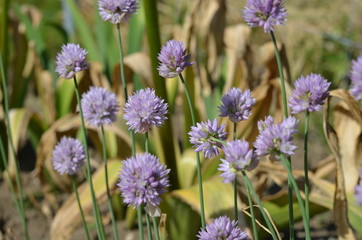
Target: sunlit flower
{"points": [[117, 11], [68, 156], [144, 110], [309, 93], [276, 139], [356, 78], [203, 137], [100, 107], [238, 157], [237, 105], [173, 59], [143, 179], [71, 60], [265, 14], [222, 228]]}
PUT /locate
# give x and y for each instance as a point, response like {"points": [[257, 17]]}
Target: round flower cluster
{"points": [[144, 110], [237, 105], [71, 60], [276, 139], [238, 157], [100, 107], [117, 11], [173, 59], [265, 14], [143, 179], [68, 156], [309, 93], [203, 137], [356, 78], [222, 228]]}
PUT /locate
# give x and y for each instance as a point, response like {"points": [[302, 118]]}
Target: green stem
{"points": [[155, 228], [10, 136], [113, 219], [256, 198], [306, 182], [198, 162], [255, 230], [297, 193], [99, 224], [12, 188], [124, 84], [149, 232], [80, 208], [218, 140], [146, 142], [236, 199], [234, 134], [286, 114], [139, 217]]}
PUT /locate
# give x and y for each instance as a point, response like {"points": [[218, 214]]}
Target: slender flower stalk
{"points": [[75, 188], [251, 206], [155, 228], [297, 193], [198, 162], [147, 216], [236, 185], [306, 181], [256, 198], [149, 232], [99, 224], [12, 188], [124, 84], [109, 198], [139, 219], [10, 137]]}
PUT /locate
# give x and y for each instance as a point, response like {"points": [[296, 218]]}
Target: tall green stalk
{"points": [[139, 218], [286, 114], [113, 219], [124, 84], [198, 162], [12, 188], [297, 193], [251, 206], [10, 136], [235, 186], [149, 232], [99, 224], [306, 181], [155, 228], [80, 208], [256, 198]]}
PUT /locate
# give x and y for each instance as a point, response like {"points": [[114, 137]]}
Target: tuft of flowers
{"points": [[202, 137], [68, 156], [222, 228], [143, 179], [265, 14], [144, 110], [100, 107], [71, 60], [117, 11], [356, 78], [173, 59], [237, 105], [276, 139], [309, 93], [238, 157], [358, 189]]}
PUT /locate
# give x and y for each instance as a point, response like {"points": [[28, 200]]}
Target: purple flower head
{"points": [[356, 78], [265, 14], [68, 156], [100, 107], [222, 228], [309, 93], [71, 60], [144, 110], [276, 139], [238, 157], [358, 189], [143, 179], [117, 11], [202, 137], [237, 105], [173, 59]]}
